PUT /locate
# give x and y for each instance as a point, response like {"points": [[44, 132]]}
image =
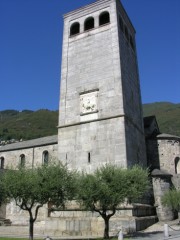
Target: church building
{"points": [[100, 121]]}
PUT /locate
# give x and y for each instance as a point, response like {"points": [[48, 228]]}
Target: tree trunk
{"points": [[31, 228], [106, 227], [179, 217]]}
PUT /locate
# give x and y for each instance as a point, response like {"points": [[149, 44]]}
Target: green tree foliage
{"points": [[32, 188], [138, 183], [27, 189], [172, 199], [61, 184], [110, 186]]}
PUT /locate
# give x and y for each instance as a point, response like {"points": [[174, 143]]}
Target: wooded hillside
{"points": [[27, 124], [167, 115], [34, 124]]}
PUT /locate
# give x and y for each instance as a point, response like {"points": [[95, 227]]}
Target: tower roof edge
{"points": [[86, 7]]}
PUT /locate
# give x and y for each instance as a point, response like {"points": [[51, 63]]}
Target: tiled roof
{"points": [[167, 136], [158, 172], [30, 143]]}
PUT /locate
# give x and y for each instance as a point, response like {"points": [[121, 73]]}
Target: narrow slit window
{"points": [[126, 33], [89, 23], [89, 157], [132, 42], [104, 18]]}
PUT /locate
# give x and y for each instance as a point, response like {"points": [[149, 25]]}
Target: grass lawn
{"points": [[6, 238]]}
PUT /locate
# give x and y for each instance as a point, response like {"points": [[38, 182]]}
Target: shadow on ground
{"points": [[156, 235], [145, 235]]}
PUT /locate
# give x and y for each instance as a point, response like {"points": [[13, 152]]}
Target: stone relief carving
{"points": [[89, 103]]}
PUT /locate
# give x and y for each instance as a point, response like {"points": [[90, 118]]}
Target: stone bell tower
{"points": [[100, 113]]}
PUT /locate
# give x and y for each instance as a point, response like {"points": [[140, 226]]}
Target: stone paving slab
{"points": [[156, 236], [155, 232]]}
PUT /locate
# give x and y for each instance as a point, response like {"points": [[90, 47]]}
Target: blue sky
{"points": [[31, 42]]}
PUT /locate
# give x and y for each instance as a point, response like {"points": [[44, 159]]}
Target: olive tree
{"points": [[32, 188], [110, 186]]}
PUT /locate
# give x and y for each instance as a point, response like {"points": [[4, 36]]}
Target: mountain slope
{"points": [[27, 124], [34, 124], [167, 115]]}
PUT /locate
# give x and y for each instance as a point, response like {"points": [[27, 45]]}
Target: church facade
{"points": [[100, 121]]}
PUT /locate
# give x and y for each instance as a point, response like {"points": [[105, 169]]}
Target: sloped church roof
{"points": [[30, 143]]}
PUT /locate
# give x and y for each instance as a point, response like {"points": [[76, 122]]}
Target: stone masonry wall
{"points": [[136, 150], [90, 61], [91, 73], [103, 142], [98, 73], [33, 156], [169, 152], [164, 154]]}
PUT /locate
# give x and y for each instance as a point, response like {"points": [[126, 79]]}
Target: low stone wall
{"points": [[85, 223], [142, 210], [94, 226], [144, 222], [76, 222]]}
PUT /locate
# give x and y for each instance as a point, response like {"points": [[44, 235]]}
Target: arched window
{"points": [[75, 28], [89, 157], [2, 163], [104, 18], [45, 157], [177, 165], [22, 160], [89, 23]]}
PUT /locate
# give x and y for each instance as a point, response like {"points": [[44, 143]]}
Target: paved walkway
{"points": [[138, 236], [156, 236], [155, 232]]}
